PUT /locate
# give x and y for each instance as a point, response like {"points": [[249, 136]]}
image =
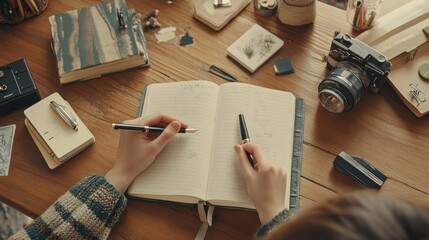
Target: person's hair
{"points": [[359, 215]]}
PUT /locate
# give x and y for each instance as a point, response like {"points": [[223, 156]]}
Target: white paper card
{"points": [[254, 47]]}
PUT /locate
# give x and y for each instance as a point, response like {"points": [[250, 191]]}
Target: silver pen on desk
{"points": [[67, 116]]}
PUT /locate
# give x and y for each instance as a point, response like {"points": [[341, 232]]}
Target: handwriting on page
{"points": [[7, 134], [52, 132]]}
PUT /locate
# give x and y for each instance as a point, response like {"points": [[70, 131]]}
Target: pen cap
{"points": [[243, 127]]}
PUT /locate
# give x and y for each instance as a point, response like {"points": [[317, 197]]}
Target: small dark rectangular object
{"points": [[283, 66], [17, 88], [360, 170]]}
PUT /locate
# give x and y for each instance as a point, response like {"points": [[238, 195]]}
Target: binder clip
{"points": [[417, 94], [121, 19], [222, 3], [186, 39]]}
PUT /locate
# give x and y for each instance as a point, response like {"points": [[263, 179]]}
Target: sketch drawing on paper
{"points": [[254, 47], [261, 44], [7, 134]]}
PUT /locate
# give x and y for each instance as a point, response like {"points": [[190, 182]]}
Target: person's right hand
{"points": [[266, 183], [137, 150]]}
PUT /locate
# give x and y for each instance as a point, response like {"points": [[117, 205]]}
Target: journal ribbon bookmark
{"points": [[205, 218]]}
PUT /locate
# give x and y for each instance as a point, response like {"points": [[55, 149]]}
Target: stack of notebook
{"points": [[57, 139], [93, 41]]}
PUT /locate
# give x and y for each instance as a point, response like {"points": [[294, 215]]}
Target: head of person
{"points": [[358, 215]]}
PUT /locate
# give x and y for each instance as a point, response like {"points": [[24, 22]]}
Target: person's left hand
{"points": [[266, 182], [137, 150]]}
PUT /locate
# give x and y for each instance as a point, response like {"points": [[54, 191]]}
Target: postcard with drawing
{"points": [[254, 47]]}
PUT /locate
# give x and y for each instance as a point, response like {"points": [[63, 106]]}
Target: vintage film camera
{"points": [[355, 66], [17, 88]]}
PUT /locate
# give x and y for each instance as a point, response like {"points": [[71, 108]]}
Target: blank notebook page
{"points": [[182, 167]]}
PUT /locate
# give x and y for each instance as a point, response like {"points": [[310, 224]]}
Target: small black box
{"points": [[17, 88], [360, 170]]}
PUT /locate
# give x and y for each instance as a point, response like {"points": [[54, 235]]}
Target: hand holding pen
{"points": [[137, 150], [266, 182]]}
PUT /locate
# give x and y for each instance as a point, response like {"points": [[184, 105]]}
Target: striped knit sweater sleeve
{"points": [[88, 210], [274, 223]]}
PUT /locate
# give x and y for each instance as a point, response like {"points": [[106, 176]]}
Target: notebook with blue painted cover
{"points": [[93, 41]]}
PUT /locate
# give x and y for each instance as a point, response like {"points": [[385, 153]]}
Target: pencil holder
{"points": [[15, 11], [296, 12], [362, 14]]}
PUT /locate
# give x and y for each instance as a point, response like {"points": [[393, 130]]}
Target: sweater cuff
{"points": [[264, 229], [95, 191], [87, 211]]}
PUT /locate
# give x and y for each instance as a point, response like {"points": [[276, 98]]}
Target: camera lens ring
{"points": [[357, 71], [340, 90], [327, 96]]}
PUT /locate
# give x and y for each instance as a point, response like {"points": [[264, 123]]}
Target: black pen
{"points": [[245, 136], [142, 128]]}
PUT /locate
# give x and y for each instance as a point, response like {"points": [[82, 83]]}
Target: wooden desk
{"points": [[380, 129]]}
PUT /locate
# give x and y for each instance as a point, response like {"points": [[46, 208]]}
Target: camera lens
{"points": [[332, 101], [341, 90]]}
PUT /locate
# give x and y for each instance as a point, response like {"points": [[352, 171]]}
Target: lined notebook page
{"points": [[182, 167], [269, 118]]}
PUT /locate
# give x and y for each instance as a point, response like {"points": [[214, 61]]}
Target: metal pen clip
{"points": [[66, 115], [417, 93], [121, 19]]}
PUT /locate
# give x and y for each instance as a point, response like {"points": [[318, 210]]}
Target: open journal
{"points": [[203, 166]]}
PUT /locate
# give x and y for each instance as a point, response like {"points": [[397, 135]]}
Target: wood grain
{"points": [[380, 129]]}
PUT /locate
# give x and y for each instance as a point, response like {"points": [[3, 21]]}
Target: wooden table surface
{"points": [[380, 129]]}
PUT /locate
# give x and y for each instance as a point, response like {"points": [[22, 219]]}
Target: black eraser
{"points": [[283, 66]]}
